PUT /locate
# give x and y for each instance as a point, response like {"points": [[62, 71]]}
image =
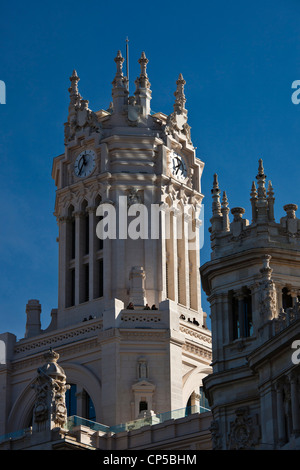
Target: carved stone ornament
{"points": [[216, 435], [50, 387], [244, 430], [142, 368], [177, 120], [80, 116], [267, 292], [133, 197], [83, 119]]}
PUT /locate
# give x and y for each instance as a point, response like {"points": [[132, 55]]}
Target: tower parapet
{"points": [[238, 235]]}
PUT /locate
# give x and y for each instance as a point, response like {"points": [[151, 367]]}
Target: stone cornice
{"points": [[194, 332], [195, 350], [250, 257], [58, 337]]}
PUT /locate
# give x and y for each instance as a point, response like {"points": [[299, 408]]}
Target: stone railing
{"points": [[286, 318], [140, 316]]}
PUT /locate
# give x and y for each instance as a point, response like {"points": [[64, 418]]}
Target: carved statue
{"points": [[142, 369], [50, 388], [267, 292]]}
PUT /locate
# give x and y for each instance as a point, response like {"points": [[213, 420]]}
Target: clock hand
{"points": [[178, 167], [83, 163]]}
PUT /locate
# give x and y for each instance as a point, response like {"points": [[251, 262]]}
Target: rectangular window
{"points": [[72, 297], [248, 324], [235, 318], [86, 283], [73, 238], [87, 235], [100, 261]]}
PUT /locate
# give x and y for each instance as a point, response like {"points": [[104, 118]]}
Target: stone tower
{"points": [[129, 327], [253, 286]]}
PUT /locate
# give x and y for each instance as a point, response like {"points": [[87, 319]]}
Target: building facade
{"points": [[253, 286], [129, 327], [127, 357]]}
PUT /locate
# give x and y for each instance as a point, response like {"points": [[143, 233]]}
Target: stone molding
{"points": [[69, 334]]}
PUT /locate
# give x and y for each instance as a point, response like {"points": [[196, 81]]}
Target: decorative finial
{"points": [[215, 182], [73, 90], [253, 200], [216, 206], [290, 210], [224, 200], [266, 270], [143, 61], [180, 100], [119, 62], [253, 190], [142, 91], [270, 190], [261, 171], [225, 212], [261, 178]]}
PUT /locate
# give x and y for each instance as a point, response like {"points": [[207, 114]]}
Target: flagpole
{"points": [[127, 62]]}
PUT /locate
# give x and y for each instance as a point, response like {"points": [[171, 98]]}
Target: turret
{"points": [[143, 92]]}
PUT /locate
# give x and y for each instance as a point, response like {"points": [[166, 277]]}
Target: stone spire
{"points": [[271, 201], [253, 200], [118, 81], [142, 91], [177, 120], [80, 116], [179, 105], [143, 61], [216, 206], [262, 203], [73, 90], [120, 86], [225, 212], [216, 220]]}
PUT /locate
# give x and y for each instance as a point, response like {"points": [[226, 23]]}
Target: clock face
{"points": [[178, 166], [85, 163]]}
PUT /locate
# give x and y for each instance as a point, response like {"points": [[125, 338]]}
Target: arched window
{"points": [[188, 408], [71, 400], [90, 412], [203, 400], [88, 408]]}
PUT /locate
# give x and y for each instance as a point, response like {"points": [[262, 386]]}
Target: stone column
{"points": [[279, 295], [63, 222], [92, 250], [280, 413], [78, 255], [80, 401], [186, 222], [181, 256], [293, 378], [294, 295]]}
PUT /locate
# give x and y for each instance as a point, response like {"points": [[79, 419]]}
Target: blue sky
{"points": [[238, 58]]}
